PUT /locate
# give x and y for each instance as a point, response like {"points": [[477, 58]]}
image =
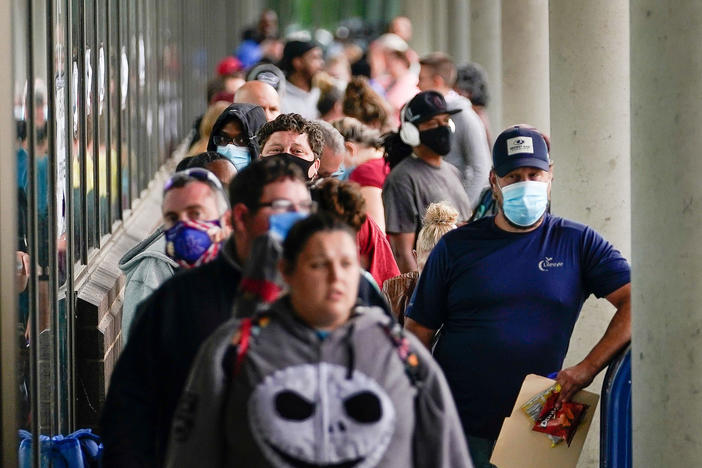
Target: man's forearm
{"points": [[618, 334]]}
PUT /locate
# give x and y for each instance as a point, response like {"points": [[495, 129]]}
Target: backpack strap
{"points": [[409, 358], [241, 340]]}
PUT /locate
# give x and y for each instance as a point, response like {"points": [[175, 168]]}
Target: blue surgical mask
{"points": [[281, 223], [240, 156], [524, 203]]}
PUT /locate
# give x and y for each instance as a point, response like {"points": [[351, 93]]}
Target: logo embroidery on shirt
{"points": [[548, 263]]}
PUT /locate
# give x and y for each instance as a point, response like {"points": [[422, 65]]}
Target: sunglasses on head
{"points": [[179, 179]]}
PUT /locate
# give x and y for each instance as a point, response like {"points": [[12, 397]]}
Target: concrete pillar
{"points": [[589, 62], [439, 26], [666, 92], [486, 50], [459, 30], [525, 89], [420, 13]]}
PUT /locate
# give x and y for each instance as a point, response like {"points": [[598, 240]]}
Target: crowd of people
{"points": [[346, 274]]}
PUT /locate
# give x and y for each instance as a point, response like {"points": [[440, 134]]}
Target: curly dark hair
{"points": [[293, 123], [342, 199], [364, 104]]}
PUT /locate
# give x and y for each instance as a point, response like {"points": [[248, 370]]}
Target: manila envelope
{"points": [[519, 446]]}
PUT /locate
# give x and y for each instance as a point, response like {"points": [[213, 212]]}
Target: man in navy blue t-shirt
{"points": [[508, 289]]}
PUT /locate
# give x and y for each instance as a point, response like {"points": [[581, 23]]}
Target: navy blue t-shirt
{"points": [[508, 303]]}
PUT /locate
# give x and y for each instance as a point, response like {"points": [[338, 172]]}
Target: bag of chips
{"points": [[559, 423]]}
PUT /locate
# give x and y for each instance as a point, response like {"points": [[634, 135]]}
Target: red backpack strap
{"points": [[241, 340]]}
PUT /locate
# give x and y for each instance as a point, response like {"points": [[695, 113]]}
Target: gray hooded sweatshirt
{"points": [[146, 267], [300, 400]]}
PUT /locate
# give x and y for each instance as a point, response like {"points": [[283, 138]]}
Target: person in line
{"points": [[172, 323], [363, 103], [470, 152], [472, 82], [205, 128], [214, 162], [234, 134], [316, 380], [260, 94], [423, 177], [508, 290], [365, 165], [344, 199], [295, 139], [195, 221], [302, 60], [332, 159], [439, 219]]}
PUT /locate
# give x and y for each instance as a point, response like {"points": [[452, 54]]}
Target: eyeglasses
{"points": [[224, 140], [179, 179], [283, 205]]}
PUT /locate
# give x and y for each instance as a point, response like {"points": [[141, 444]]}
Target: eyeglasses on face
{"points": [[224, 140], [179, 179], [282, 205]]}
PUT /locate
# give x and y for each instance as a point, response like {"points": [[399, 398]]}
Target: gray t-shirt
{"points": [[414, 184], [470, 151]]}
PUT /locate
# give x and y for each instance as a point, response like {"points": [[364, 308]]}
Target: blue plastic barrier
{"points": [[81, 449], [615, 414]]}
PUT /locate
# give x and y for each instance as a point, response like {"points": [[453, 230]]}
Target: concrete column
{"points": [[420, 13], [486, 50], [439, 27], [459, 30], [589, 61], [525, 90], [666, 92]]}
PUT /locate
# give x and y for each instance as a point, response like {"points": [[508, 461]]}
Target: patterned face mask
{"points": [[190, 243]]}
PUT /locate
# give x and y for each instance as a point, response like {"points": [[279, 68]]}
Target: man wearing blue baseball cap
{"points": [[508, 289]]}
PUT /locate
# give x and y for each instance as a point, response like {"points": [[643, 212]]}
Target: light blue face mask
{"points": [[240, 156], [524, 203], [281, 223]]}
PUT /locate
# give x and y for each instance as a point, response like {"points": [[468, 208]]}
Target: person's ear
{"points": [[493, 184], [296, 63], [239, 214], [312, 171]]}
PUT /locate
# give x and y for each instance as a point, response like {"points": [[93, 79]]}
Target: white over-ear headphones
{"points": [[409, 133]]}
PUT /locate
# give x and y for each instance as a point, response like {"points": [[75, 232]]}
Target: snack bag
{"points": [[533, 407], [562, 422]]}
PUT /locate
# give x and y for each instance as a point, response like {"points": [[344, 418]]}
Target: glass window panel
{"points": [[113, 48], [76, 102], [91, 143], [101, 98]]}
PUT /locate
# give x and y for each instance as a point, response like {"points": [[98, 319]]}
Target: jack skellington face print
{"points": [[320, 415]]}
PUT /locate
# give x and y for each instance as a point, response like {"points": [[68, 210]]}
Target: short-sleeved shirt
{"points": [[508, 303], [413, 185], [371, 173]]}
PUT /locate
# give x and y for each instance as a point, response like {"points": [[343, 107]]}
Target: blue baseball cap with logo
{"points": [[517, 147]]}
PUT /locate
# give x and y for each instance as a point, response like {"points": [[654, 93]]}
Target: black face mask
{"points": [[303, 164], [437, 139]]}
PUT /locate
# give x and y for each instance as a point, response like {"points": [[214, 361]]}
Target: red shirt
{"points": [[371, 173], [373, 243]]}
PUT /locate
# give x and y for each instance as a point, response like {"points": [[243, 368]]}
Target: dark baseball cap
{"points": [[426, 105], [517, 147]]}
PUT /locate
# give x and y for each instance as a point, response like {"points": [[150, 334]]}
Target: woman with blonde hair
{"points": [[439, 219]]}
